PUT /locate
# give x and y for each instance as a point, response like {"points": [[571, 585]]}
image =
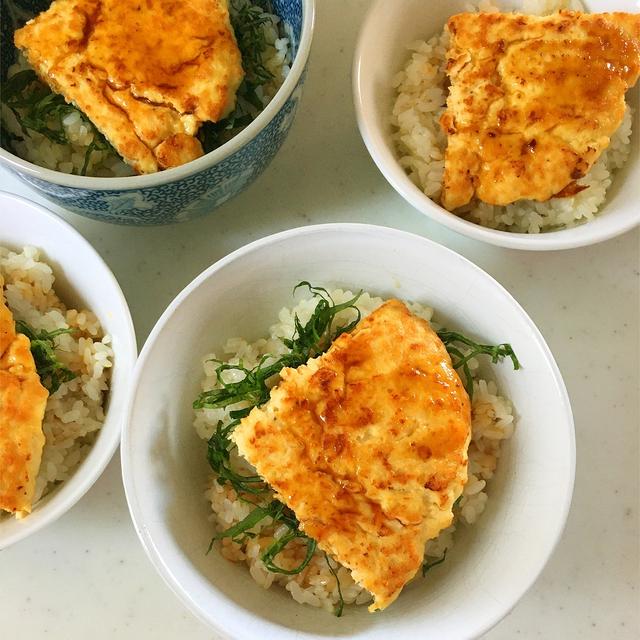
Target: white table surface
{"points": [[87, 576]]}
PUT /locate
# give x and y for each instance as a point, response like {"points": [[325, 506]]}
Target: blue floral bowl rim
{"points": [[195, 166]]}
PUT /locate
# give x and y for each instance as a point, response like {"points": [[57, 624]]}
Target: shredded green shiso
{"points": [[455, 343], [309, 340], [337, 612], [51, 371]]}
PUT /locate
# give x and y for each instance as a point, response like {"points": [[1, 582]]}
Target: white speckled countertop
{"points": [[87, 575]]}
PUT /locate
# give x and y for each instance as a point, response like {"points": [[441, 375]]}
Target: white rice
{"points": [[492, 422], [75, 412], [420, 142], [70, 158]]}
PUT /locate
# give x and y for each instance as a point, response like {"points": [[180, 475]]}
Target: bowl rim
{"points": [[388, 165], [159, 178], [79, 483], [128, 470]]}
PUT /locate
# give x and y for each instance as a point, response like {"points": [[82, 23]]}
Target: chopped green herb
{"points": [[99, 143], [35, 106], [427, 565], [316, 336], [276, 547], [248, 20], [309, 340], [237, 531], [219, 450], [280, 514], [51, 371], [38, 109], [340, 606], [455, 343]]}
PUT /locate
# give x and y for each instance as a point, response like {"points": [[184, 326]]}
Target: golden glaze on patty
{"points": [[22, 404], [147, 73], [533, 101], [368, 445]]}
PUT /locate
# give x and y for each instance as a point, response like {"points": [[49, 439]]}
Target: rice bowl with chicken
{"points": [[73, 357], [255, 529], [421, 142]]}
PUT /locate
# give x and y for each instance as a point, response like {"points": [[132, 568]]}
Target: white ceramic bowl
{"points": [[390, 27], [83, 279], [165, 470]]}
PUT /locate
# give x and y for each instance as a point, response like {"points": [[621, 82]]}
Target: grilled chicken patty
{"points": [[22, 403], [533, 101]]}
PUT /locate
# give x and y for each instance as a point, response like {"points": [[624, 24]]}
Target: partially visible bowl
{"points": [[164, 462], [383, 50], [83, 280], [187, 191]]}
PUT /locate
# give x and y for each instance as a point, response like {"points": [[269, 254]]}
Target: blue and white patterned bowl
{"points": [[188, 191]]}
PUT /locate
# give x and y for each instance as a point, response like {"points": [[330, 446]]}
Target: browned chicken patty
{"points": [[22, 403], [533, 101], [367, 444], [147, 74]]}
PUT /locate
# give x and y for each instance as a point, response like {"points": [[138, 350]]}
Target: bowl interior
{"points": [[82, 280], [386, 35], [164, 464]]}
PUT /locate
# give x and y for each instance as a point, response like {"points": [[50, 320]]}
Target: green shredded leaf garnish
{"points": [[219, 450], [455, 343], [99, 143], [309, 340], [274, 549], [35, 106], [43, 109], [280, 514], [337, 612], [427, 564], [248, 20], [38, 109], [238, 530], [317, 335], [51, 371]]}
